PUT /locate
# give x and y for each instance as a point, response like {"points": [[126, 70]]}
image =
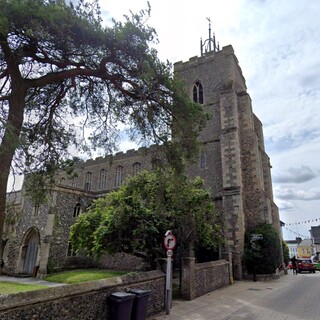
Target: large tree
{"points": [[134, 218], [62, 71]]}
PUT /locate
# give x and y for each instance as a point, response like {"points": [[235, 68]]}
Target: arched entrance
{"points": [[30, 248]]}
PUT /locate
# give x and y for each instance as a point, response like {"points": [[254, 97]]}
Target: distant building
{"points": [[305, 249], [293, 246], [315, 237]]}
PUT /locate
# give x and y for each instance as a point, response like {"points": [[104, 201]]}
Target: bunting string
{"points": [[303, 222], [296, 233]]}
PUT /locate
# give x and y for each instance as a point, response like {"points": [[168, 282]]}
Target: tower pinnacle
{"points": [[210, 43]]}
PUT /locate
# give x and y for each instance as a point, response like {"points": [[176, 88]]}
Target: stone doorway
{"points": [[30, 248]]}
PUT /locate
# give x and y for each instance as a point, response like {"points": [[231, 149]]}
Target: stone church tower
{"points": [[233, 161]]}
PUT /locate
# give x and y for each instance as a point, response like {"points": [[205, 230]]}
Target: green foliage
{"points": [[68, 166], [266, 257], [74, 66], [50, 266], [59, 64], [13, 213], [38, 184], [37, 187], [135, 218], [285, 250], [83, 231], [10, 287], [82, 275]]}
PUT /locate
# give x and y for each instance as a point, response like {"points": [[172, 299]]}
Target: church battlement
{"points": [[227, 50], [104, 174], [119, 155]]}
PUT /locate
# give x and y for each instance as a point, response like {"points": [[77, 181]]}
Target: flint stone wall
{"points": [[210, 276], [83, 301]]}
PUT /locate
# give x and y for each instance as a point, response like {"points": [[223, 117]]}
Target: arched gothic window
{"points": [[203, 161], [74, 182], [36, 210], [198, 93], [119, 176], [87, 183], [156, 163], [77, 210], [102, 179], [136, 168], [70, 251]]}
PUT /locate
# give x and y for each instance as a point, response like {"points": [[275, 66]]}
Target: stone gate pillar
{"points": [[228, 257], [188, 278]]}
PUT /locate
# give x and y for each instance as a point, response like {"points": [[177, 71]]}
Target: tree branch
{"points": [[59, 76]]}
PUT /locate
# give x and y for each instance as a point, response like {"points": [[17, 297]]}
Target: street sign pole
{"points": [[168, 285], [169, 243], [253, 238]]}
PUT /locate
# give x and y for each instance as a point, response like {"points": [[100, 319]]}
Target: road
{"points": [[290, 297], [298, 299]]}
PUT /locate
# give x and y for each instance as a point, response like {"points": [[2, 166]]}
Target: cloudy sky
{"points": [[277, 43]]}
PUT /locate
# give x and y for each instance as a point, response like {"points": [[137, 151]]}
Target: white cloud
{"points": [[284, 205], [277, 45], [291, 193], [295, 175]]}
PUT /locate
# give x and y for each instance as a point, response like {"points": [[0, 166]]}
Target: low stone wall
{"points": [[201, 278], [122, 261], [83, 301], [211, 276], [266, 277]]}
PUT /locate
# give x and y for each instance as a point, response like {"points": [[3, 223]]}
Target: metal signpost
{"points": [[253, 238], [169, 243], [256, 237]]}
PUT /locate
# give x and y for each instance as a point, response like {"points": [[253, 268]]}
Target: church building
{"points": [[232, 162]]}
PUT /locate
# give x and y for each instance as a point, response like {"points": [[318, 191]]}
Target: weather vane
{"points": [[209, 44]]}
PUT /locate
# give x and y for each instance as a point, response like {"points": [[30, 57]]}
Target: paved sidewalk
{"points": [[233, 302]]}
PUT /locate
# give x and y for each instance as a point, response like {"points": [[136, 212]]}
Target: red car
{"points": [[289, 266], [306, 265]]}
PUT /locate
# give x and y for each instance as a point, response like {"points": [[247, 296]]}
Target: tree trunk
{"points": [[10, 141]]}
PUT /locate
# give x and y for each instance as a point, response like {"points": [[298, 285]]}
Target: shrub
{"points": [[266, 255]]}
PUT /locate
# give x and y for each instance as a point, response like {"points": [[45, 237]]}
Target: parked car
{"points": [[316, 264], [306, 265], [289, 266]]}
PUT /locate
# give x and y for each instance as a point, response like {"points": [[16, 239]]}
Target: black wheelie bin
{"points": [[121, 305], [140, 304]]}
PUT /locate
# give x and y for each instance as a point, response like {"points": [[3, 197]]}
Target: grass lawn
{"points": [[7, 287], [82, 275], [68, 277]]}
